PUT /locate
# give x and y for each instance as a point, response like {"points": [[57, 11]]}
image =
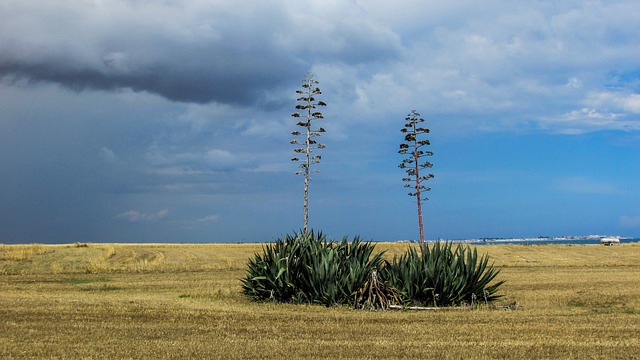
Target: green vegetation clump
{"points": [[309, 268], [443, 276]]}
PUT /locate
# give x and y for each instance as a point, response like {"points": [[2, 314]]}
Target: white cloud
{"points": [[622, 101], [138, 216], [268, 128], [209, 219], [632, 103], [204, 117], [574, 82], [209, 159], [581, 121], [605, 110], [108, 155]]}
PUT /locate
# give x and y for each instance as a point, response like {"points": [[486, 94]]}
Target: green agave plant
{"points": [[443, 276], [273, 274], [310, 268]]}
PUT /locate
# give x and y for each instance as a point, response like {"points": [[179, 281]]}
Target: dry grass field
{"points": [[184, 301]]}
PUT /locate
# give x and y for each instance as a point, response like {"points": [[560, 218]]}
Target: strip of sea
{"points": [[538, 241]]}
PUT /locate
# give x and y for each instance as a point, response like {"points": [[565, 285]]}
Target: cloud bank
{"points": [[114, 106]]}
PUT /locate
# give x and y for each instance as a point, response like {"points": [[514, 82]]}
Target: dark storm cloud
{"points": [[196, 53], [176, 83]]}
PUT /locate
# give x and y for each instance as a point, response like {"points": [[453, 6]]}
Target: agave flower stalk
{"points": [[414, 163], [307, 114]]}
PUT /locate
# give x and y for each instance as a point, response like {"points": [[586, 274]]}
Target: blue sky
{"points": [[152, 121]]}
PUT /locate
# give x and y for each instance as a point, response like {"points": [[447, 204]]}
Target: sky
{"points": [[158, 121]]}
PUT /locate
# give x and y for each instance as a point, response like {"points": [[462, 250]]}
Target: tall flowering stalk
{"points": [[306, 138], [414, 164]]}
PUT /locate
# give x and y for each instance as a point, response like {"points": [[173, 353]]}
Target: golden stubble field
{"points": [[184, 301]]}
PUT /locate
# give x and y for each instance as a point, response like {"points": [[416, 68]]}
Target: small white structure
{"points": [[610, 240]]}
